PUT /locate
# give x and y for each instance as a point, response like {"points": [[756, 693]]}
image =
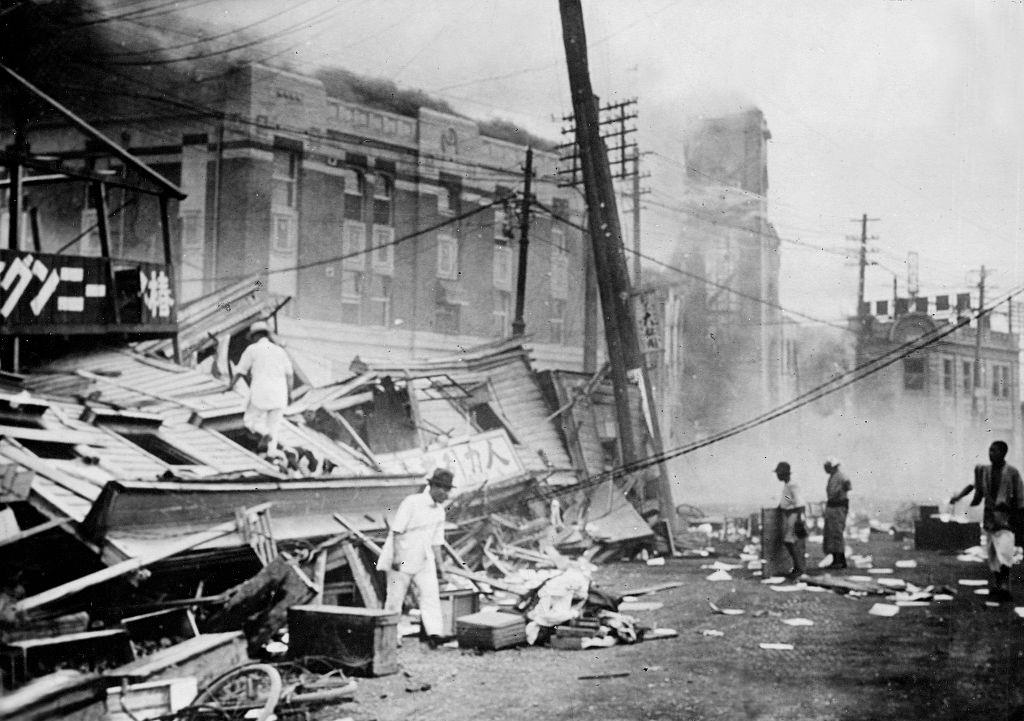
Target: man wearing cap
{"points": [[837, 505], [792, 509], [270, 376], [417, 535]]}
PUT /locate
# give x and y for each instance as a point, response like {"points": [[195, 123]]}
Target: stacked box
{"points": [[455, 604], [492, 630], [364, 640]]}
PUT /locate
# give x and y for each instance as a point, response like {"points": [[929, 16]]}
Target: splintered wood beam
{"points": [[319, 573], [361, 576]]}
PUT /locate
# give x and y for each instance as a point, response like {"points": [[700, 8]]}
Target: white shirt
{"points": [[418, 527], [271, 372], [790, 497]]}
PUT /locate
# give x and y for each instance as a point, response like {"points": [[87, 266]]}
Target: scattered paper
{"points": [[993, 604], [911, 604], [627, 606], [773, 579], [892, 582], [776, 646], [972, 582], [879, 571], [942, 597], [787, 589], [657, 633], [886, 610], [720, 576], [599, 641], [709, 632], [826, 561], [861, 579], [722, 566], [906, 564], [715, 608], [1019, 610], [981, 591], [659, 561], [798, 622]]}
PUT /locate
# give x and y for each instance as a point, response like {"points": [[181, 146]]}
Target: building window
{"points": [[559, 274], [966, 376], [379, 305], [914, 374], [502, 223], [502, 267], [502, 314], [1000, 381], [556, 324], [447, 200], [383, 192], [353, 245], [351, 295], [285, 174], [948, 381], [447, 257], [383, 252], [560, 209], [446, 319], [354, 192], [157, 446], [283, 233]]}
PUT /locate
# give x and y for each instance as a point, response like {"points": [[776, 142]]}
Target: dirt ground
{"points": [[955, 659]]}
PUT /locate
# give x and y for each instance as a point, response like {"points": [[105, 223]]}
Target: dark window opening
{"points": [[243, 437], [160, 448], [487, 420], [914, 374], [48, 449]]}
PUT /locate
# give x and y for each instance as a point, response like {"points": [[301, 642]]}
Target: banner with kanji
{"points": [[487, 457]]}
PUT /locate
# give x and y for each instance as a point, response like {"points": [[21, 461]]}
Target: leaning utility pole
{"points": [[606, 239], [519, 324]]}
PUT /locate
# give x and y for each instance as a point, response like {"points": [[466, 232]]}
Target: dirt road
{"points": [[955, 659]]}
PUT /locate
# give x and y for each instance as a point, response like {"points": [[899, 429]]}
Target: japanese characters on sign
{"points": [[487, 457], [39, 289]]}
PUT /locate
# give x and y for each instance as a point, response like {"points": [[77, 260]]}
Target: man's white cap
{"points": [[832, 461], [259, 326]]}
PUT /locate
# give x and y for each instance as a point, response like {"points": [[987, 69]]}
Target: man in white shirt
{"points": [[791, 508], [418, 541], [270, 375]]}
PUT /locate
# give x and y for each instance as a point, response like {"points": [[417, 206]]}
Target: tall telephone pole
{"points": [[519, 324], [606, 239], [979, 321], [863, 262]]}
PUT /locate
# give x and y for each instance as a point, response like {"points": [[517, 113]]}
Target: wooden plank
{"points": [[363, 538], [355, 436], [35, 530], [64, 436], [129, 566], [481, 578], [319, 573], [643, 591], [361, 576]]}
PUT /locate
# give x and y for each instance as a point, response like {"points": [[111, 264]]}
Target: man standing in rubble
{"points": [[417, 537], [793, 529], [999, 485], [270, 374], [837, 506]]}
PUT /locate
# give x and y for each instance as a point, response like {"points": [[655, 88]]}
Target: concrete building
{"points": [[381, 219]]}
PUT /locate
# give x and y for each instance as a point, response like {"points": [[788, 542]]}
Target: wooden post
{"points": [[519, 323], [361, 576], [319, 574], [33, 218]]}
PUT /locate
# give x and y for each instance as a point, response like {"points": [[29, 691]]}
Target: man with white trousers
{"points": [[417, 536]]}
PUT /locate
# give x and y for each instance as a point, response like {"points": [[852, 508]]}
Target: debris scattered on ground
{"points": [[886, 610], [712, 632], [776, 646], [798, 622], [906, 564], [715, 608], [719, 576], [972, 582]]}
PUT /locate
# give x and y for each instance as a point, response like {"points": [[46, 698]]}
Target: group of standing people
{"points": [[794, 527]]}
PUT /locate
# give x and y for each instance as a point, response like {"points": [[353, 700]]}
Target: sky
{"points": [[907, 110]]}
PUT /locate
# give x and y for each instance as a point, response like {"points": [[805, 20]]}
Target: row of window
{"points": [[915, 376]]}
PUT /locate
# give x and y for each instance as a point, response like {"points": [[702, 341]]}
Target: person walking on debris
{"points": [[270, 374], [417, 540], [793, 529], [837, 505], [999, 485]]}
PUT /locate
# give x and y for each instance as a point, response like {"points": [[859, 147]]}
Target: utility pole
{"points": [[519, 324], [606, 239], [979, 324]]}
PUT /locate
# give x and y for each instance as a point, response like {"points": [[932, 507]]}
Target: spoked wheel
{"points": [[237, 693]]}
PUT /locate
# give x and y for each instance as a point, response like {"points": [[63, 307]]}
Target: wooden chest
{"points": [[491, 630], [455, 604], [365, 640]]}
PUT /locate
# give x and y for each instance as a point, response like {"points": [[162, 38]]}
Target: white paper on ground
{"points": [[719, 576], [1019, 610], [826, 561], [906, 564], [981, 591], [860, 579], [659, 561], [798, 622], [815, 589], [892, 582], [773, 579], [911, 604], [879, 571], [884, 609], [942, 597], [776, 646], [972, 582], [627, 606], [712, 632], [787, 589]]}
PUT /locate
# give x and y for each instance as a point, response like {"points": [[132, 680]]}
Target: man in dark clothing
{"points": [[1000, 486]]}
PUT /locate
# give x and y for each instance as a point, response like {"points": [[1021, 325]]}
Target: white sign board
{"points": [[487, 457]]}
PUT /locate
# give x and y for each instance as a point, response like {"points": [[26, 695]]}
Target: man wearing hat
{"points": [[837, 505], [792, 509], [270, 374], [417, 536]]}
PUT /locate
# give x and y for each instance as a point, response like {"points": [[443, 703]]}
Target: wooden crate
{"points": [[150, 629], [364, 640], [491, 630], [454, 604], [150, 700], [31, 658]]}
